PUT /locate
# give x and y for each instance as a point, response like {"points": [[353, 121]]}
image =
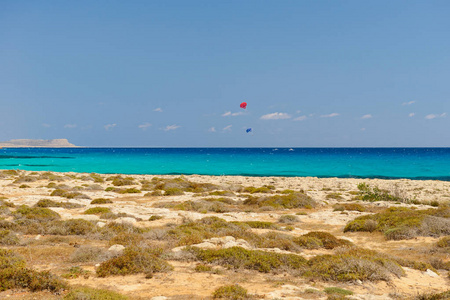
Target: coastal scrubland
{"points": [[112, 236]]}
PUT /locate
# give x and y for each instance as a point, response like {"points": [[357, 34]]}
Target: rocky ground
{"points": [[166, 216]]}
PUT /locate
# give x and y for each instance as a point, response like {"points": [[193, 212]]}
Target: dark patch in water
{"points": [[31, 157]]}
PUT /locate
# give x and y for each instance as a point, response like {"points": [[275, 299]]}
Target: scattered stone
{"points": [[38, 237], [116, 248], [125, 220], [431, 273], [101, 224]]}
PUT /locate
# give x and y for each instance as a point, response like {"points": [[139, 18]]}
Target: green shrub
{"points": [[70, 227], [126, 239], [120, 181], [372, 194], [97, 178], [203, 268], [234, 292], [8, 238], [237, 257], [349, 206], [51, 203], [337, 196], [154, 218], [35, 213], [133, 260], [439, 296], [75, 272], [67, 194], [10, 172], [173, 192], [336, 290], [327, 240], [263, 189], [403, 223], [88, 254], [87, 293], [259, 224], [14, 275], [97, 210], [444, 242], [352, 264], [101, 201], [130, 191], [295, 200], [288, 219]]}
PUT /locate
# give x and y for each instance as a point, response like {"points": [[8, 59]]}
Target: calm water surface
{"points": [[413, 163]]}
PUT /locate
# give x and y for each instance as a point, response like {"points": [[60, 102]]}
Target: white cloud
{"points": [[171, 127], [411, 115], [275, 116], [46, 125], [145, 125], [159, 109], [227, 128], [300, 118], [229, 113], [110, 126], [368, 116], [212, 129], [408, 103], [70, 125], [363, 129], [298, 111], [433, 116], [330, 115]]}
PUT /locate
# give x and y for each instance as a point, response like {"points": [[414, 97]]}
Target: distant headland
{"points": [[56, 143]]}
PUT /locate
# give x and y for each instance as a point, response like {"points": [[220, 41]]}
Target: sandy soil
{"points": [[185, 283]]}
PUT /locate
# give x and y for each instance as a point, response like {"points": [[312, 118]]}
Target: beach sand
{"points": [[43, 251]]}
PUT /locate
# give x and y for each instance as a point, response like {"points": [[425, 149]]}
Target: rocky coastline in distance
{"points": [[26, 143]]}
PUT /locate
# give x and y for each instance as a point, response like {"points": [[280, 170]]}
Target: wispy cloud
{"points": [[408, 103], [411, 115], [46, 125], [226, 128], [332, 115], [229, 113], [145, 125], [171, 127], [368, 116], [159, 109], [212, 129], [300, 118], [434, 116], [276, 116], [70, 126], [110, 126], [363, 129]]}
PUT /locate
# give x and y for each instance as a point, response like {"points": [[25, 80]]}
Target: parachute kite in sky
{"points": [[244, 105], [248, 130]]}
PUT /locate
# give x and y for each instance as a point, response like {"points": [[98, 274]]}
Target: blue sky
{"points": [[173, 73]]}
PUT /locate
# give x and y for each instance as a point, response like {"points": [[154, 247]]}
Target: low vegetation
{"points": [[87, 293], [101, 201], [237, 258], [15, 275], [134, 260], [404, 223], [292, 200], [234, 292]]}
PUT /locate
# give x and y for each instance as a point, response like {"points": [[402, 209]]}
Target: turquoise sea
{"points": [[413, 163]]}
